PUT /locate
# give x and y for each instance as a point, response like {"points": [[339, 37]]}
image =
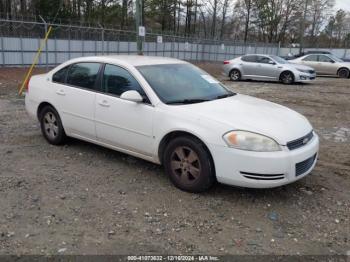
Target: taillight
{"points": [[226, 62]]}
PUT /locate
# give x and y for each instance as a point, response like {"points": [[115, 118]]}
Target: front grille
{"points": [[300, 141], [262, 176], [311, 71], [302, 167]]}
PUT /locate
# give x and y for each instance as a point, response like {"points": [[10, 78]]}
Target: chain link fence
{"points": [[20, 40]]}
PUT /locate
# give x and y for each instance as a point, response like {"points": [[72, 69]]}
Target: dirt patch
{"points": [[84, 199]]}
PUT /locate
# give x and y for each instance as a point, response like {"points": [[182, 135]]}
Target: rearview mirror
{"points": [[132, 95]]}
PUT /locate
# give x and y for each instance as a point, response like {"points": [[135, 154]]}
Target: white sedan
{"points": [[170, 112]]}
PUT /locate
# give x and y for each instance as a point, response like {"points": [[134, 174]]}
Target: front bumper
{"points": [[262, 169], [305, 77]]}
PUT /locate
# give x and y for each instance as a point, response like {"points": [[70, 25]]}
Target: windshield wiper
{"points": [[225, 95], [188, 101]]}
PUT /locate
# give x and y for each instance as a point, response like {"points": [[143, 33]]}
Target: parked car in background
{"points": [[170, 112], [310, 52], [325, 64], [267, 68]]}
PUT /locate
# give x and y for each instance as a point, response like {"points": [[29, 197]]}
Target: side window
{"points": [[249, 58], [311, 58], [60, 76], [83, 75], [263, 60], [324, 58], [117, 80]]}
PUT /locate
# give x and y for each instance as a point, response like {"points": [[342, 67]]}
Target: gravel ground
{"points": [[84, 199]]}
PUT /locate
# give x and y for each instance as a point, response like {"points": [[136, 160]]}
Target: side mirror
{"points": [[272, 62], [132, 95]]}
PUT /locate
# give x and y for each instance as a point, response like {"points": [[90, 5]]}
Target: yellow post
{"points": [[35, 61]]}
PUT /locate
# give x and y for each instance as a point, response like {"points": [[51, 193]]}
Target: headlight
{"points": [[250, 141], [303, 70]]}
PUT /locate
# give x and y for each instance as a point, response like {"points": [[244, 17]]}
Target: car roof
{"points": [[258, 55], [134, 60]]}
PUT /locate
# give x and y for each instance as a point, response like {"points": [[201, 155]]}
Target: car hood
{"points": [[241, 112]]}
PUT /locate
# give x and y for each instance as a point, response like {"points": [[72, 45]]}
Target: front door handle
{"points": [[104, 103], [60, 92]]}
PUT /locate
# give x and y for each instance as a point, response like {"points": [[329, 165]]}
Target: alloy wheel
{"points": [[185, 165], [235, 75], [50, 125]]}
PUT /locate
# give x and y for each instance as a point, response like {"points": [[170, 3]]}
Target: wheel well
{"points": [[342, 68], [41, 106], [166, 139], [285, 71]]}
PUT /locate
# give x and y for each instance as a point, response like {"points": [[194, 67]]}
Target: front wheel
{"points": [[287, 78], [51, 126], [189, 165], [344, 73]]}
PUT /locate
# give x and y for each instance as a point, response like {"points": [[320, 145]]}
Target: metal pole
{"points": [[302, 28], [139, 23], [46, 46], [103, 39], [2, 51]]}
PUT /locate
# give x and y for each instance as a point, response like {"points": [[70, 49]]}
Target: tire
{"points": [[51, 126], [344, 73], [189, 164], [287, 78], [235, 75]]}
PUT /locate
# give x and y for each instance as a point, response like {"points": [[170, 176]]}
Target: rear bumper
{"points": [[263, 169], [31, 106]]}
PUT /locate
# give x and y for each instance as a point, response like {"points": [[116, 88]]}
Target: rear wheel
{"points": [[344, 73], [235, 75], [287, 78], [189, 164], [51, 126]]}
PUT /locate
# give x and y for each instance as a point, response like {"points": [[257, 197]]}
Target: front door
{"points": [[267, 69], [123, 124]]}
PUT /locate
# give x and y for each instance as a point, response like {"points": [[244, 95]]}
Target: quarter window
{"points": [[83, 75], [117, 80], [60, 76]]}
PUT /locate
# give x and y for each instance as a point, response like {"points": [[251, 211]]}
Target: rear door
{"points": [[312, 61], [249, 63], [123, 124], [75, 91]]}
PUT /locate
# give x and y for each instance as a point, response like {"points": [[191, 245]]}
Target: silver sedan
{"points": [[267, 68], [325, 64]]}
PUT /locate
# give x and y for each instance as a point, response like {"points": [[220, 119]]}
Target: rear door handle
{"points": [[104, 103], [60, 92]]}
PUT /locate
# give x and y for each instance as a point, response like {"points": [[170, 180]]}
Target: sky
{"points": [[343, 4]]}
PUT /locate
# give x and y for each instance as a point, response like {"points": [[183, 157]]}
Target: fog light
{"points": [[303, 77]]}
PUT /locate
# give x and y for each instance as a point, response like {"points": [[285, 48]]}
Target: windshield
{"points": [[336, 59], [279, 60], [183, 83]]}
